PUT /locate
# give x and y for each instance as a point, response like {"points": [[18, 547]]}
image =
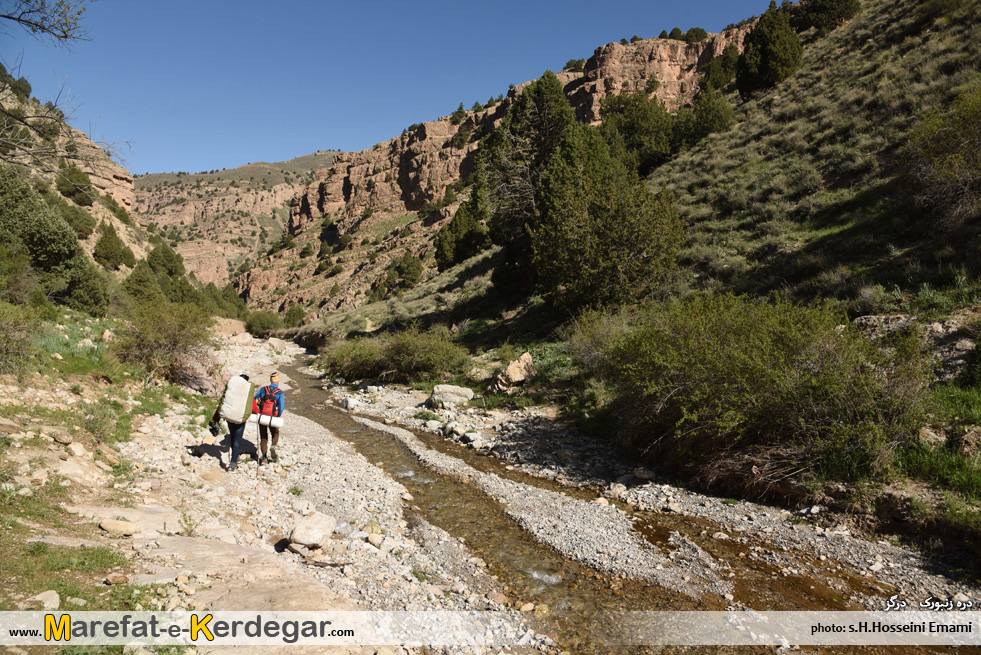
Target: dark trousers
{"points": [[235, 432], [263, 437]]}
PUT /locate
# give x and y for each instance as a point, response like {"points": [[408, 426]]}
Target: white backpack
{"points": [[236, 406]]}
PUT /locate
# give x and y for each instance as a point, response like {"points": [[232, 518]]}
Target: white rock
{"points": [[313, 531]]}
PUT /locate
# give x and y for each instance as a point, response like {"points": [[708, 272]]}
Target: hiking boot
{"points": [[273, 457], [233, 466]]}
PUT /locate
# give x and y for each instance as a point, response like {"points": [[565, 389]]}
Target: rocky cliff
{"points": [[220, 220], [676, 66], [375, 195]]}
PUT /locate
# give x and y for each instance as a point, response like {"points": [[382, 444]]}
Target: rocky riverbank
{"points": [[205, 538], [808, 544]]}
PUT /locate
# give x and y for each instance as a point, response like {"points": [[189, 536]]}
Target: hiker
{"points": [[269, 401], [235, 406]]}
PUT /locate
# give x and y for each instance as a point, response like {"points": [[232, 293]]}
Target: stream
{"points": [[575, 597]]}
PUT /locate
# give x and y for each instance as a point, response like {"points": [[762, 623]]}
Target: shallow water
{"points": [[576, 596]]}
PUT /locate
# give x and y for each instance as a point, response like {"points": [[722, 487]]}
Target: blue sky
{"points": [[204, 85]]}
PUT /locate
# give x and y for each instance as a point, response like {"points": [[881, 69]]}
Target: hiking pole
{"points": [[258, 447]]}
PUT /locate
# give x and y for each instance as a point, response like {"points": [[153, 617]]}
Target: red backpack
{"points": [[268, 407]]}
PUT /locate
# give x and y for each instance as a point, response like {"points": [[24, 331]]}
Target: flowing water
{"points": [[577, 597]]}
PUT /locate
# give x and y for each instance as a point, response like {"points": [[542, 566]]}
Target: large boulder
{"points": [[313, 531], [514, 374], [448, 394]]}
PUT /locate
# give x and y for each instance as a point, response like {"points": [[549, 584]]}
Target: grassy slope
{"points": [[805, 193], [260, 173]]}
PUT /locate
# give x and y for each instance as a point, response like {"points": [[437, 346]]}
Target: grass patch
{"points": [[943, 466]]}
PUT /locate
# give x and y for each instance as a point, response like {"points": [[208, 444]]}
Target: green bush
{"points": [[460, 239], [405, 356], [168, 342], [74, 184], [261, 323], [18, 328], [459, 115], [57, 264], [417, 355], [294, 316], [824, 15], [354, 359], [944, 160], [747, 394], [110, 251]]}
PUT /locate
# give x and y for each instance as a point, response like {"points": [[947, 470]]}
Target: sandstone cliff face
{"points": [[106, 176], [364, 194], [614, 68], [218, 221]]}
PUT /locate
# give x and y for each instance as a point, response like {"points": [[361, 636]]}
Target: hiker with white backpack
{"points": [[235, 406]]}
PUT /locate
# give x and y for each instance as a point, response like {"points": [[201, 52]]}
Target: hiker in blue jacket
{"points": [[270, 401]]}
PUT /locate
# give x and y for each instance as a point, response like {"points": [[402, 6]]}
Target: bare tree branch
{"points": [[60, 20]]}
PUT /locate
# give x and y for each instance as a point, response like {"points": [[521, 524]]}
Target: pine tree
{"points": [[142, 285], [771, 53], [604, 238], [513, 161]]}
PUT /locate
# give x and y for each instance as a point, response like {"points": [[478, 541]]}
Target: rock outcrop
{"points": [[676, 65], [371, 195]]}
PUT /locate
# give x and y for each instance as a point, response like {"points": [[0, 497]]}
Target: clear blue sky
{"points": [[209, 84]]}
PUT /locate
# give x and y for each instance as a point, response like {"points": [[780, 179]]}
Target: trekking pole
{"points": [[258, 446]]}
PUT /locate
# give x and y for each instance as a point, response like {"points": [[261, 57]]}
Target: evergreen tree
{"points": [[513, 159], [110, 251], [721, 70], [142, 285], [824, 15], [712, 113], [460, 239], [677, 34], [459, 115], [604, 238], [57, 263], [695, 35], [638, 130], [771, 53], [164, 261]]}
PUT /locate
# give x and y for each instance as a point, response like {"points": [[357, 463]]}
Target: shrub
{"points": [[261, 323], [824, 15], [572, 66], [74, 183], [415, 355], [721, 70], [110, 251], [409, 268], [168, 342], [459, 115], [294, 316], [405, 356], [18, 328], [695, 35], [354, 359], [944, 160], [460, 239], [746, 394]]}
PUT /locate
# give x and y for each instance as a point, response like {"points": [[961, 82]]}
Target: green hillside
{"points": [[808, 191]]}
